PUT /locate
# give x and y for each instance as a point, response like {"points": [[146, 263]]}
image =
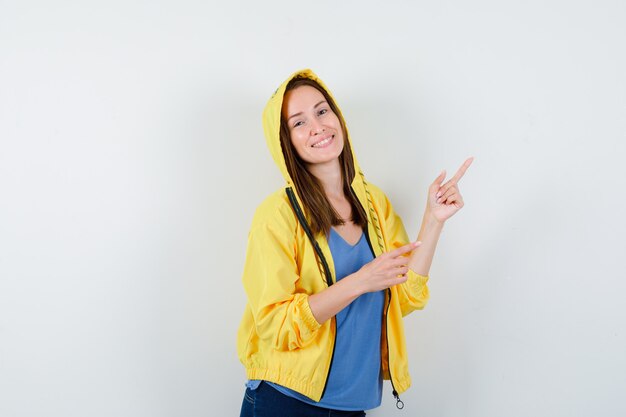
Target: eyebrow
{"points": [[298, 114]]}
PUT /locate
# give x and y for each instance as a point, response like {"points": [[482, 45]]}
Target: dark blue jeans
{"points": [[265, 401]]}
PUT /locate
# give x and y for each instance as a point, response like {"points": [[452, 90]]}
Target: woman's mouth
{"points": [[324, 142]]}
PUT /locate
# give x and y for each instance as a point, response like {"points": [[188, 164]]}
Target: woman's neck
{"points": [[329, 175]]}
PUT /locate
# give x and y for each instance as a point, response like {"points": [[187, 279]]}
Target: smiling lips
{"points": [[324, 142]]}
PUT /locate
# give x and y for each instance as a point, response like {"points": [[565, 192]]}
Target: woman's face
{"points": [[315, 130]]}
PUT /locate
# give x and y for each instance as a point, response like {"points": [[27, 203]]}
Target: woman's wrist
{"points": [[429, 220], [354, 284], [429, 233]]}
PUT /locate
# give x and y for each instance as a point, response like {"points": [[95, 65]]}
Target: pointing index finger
{"points": [[462, 170]]}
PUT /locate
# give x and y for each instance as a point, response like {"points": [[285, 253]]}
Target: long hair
{"points": [[316, 205]]}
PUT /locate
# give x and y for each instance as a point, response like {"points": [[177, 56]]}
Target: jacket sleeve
{"points": [[413, 293], [282, 316]]}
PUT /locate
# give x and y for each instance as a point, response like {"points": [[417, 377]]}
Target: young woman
{"points": [[329, 271]]}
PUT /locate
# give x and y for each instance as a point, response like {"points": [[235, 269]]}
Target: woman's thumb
{"points": [[440, 178]]}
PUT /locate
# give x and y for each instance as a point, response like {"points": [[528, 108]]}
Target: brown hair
{"points": [[316, 204]]}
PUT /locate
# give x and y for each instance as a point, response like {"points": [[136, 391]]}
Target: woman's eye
{"points": [[297, 124], [323, 111]]}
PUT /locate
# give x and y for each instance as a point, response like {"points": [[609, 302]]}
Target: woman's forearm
{"points": [[422, 256], [327, 303], [382, 272]]}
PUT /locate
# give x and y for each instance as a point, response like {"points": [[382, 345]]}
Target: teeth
{"points": [[324, 142]]}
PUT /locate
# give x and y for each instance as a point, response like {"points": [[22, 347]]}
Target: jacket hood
{"points": [[271, 123], [271, 127]]}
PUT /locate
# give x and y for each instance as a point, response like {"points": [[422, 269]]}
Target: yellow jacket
{"points": [[279, 339]]}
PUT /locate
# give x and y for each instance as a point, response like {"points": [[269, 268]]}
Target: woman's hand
{"points": [[386, 270], [445, 200]]}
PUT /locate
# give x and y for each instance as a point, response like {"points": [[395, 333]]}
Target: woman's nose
{"points": [[316, 127]]}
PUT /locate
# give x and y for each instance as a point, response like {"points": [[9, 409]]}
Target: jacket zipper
{"points": [[399, 402], [332, 356], [396, 396], [318, 251], [329, 282]]}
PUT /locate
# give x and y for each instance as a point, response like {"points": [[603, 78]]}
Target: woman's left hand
{"points": [[445, 200]]}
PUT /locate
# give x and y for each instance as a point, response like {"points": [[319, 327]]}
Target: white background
{"points": [[132, 158]]}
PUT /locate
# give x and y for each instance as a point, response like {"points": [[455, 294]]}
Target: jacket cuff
{"points": [[416, 281], [308, 318]]}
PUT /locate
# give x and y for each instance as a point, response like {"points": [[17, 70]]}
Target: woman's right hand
{"points": [[386, 270]]}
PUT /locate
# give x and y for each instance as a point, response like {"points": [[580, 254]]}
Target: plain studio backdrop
{"points": [[132, 159]]}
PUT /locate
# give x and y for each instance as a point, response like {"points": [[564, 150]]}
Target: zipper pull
{"points": [[399, 403]]}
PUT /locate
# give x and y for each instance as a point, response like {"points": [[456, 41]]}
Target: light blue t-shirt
{"points": [[355, 381]]}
